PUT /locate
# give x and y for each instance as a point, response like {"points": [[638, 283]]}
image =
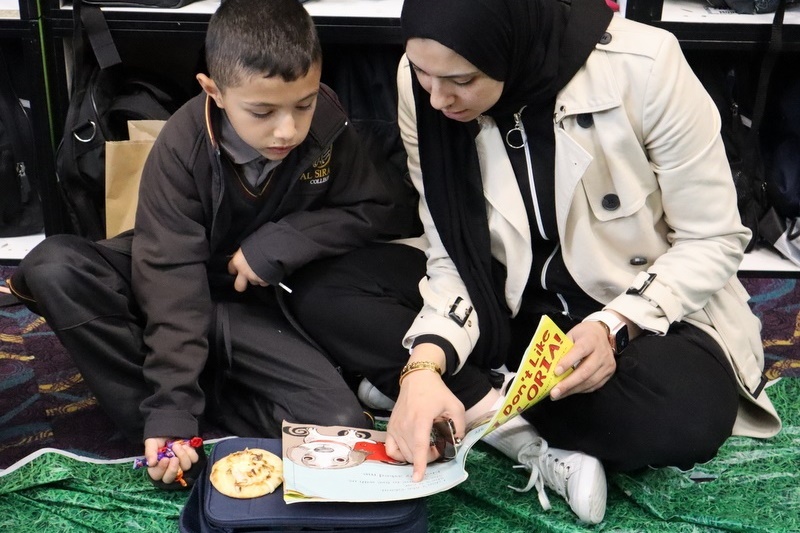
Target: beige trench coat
{"points": [[655, 144]]}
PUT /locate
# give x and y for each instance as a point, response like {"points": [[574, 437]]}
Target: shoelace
{"points": [[556, 474], [529, 459]]}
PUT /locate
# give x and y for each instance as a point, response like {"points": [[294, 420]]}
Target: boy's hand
{"points": [[168, 468], [239, 267]]}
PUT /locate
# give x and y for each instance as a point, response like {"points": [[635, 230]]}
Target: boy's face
{"points": [[270, 114]]}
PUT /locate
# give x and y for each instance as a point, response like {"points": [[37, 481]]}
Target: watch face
{"points": [[622, 339]]}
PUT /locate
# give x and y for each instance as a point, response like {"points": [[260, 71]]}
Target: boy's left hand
{"points": [[168, 468], [239, 267]]}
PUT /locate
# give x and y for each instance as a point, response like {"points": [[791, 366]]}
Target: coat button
{"points": [[610, 202], [639, 261], [605, 38], [585, 120]]}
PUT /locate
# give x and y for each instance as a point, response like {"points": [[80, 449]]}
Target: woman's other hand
{"points": [[591, 356]]}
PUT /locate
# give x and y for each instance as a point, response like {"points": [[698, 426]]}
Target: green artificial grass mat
{"points": [[751, 486]]}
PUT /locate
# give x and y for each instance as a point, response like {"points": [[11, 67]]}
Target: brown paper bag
{"points": [[124, 162]]}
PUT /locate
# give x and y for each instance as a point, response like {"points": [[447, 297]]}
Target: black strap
{"points": [[91, 19], [762, 91], [767, 65]]}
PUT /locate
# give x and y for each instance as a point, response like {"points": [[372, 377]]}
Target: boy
{"points": [[255, 177]]}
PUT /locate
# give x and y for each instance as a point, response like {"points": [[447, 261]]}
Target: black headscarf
{"points": [[535, 47]]}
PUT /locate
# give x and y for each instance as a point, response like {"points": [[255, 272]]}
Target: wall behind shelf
{"points": [[9, 10]]}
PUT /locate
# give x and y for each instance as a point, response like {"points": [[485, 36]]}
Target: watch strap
{"points": [[614, 329]]}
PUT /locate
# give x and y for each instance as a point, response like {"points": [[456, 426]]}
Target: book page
{"points": [[336, 463]]}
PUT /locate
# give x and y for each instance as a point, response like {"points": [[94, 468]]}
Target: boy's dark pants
{"points": [[672, 401], [259, 371]]}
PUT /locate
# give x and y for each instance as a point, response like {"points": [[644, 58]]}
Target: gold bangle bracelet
{"points": [[419, 365], [405, 374]]}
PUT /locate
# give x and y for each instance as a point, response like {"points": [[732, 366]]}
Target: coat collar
{"points": [[591, 90]]}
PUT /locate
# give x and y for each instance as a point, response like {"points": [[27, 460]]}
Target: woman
{"points": [[569, 163]]}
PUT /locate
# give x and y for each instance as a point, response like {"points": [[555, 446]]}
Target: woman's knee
{"points": [[659, 438]]}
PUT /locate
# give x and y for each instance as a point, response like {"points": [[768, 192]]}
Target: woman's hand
{"points": [[592, 357], [168, 468], [423, 397]]}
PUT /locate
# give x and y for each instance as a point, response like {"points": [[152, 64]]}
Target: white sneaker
{"points": [[578, 477], [371, 397]]}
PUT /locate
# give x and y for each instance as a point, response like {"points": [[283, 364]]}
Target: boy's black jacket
{"points": [[335, 201]]}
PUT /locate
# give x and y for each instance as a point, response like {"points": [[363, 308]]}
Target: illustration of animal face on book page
{"points": [[344, 449]]}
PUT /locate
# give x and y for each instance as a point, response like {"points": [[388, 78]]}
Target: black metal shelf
{"points": [[381, 30], [344, 29], [187, 27], [16, 28]]}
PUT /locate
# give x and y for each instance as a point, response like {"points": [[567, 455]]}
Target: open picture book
{"points": [[336, 463]]}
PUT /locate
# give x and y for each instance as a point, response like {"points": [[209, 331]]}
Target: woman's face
{"points": [[457, 88]]}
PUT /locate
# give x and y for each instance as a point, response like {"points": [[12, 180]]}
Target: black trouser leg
{"points": [[266, 372], [83, 291], [359, 306], [672, 401]]}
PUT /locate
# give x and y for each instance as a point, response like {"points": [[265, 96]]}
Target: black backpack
{"points": [[105, 95], [782, 146], [742, 112], [20, 205]]}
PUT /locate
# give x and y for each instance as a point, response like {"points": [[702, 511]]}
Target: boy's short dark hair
{"points": [[260, 37]]}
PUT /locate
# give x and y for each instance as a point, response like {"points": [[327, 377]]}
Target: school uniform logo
{"points": [[320, 171]]}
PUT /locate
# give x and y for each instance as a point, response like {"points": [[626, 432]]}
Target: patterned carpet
{"points": [[44, 403], [777, 303], [43, 399]]}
